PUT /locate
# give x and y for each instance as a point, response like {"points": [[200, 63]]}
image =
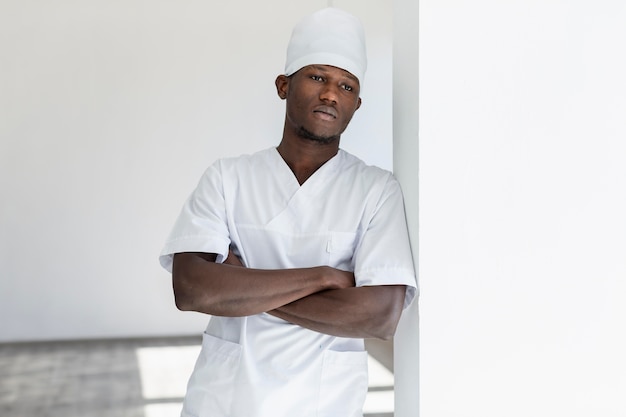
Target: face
{"points": [[321, 100]]}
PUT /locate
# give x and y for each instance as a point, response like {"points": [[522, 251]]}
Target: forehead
{"points": [[330, 70]]}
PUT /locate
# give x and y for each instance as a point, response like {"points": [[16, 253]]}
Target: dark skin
{"points": [[321, 101]]}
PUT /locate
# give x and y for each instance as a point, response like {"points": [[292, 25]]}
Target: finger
{"points": [[232, 259]]}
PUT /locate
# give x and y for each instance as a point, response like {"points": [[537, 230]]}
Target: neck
{"points": [[304, 156]]}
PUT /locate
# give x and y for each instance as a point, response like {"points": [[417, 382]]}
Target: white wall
{"points": [[522, 202], [406, 169], [109, 113]]}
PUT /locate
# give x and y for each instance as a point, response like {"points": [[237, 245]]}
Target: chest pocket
{"points": [[268, 249], [340, 248]]}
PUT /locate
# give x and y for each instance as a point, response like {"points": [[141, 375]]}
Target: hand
{"points": [[232, 259], [338, 279]]}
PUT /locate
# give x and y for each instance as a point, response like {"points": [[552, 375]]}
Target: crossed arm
{"points": [[321, 298]]}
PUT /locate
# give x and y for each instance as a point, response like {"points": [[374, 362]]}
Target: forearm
{"points": [[363, 312], [228, 290]]}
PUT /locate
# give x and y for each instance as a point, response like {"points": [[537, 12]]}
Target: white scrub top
{"points": [[346, 215]]}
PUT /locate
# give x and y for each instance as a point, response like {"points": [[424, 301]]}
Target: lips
{"points": [[326, 112]]}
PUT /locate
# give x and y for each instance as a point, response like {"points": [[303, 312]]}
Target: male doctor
{"points": [[298, 252]]}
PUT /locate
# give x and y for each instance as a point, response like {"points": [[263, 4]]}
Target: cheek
{"points": [[352, 105], [295, 112], [350, 110], [296, 108]]}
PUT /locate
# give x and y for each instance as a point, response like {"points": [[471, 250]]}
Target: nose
{"points": [[329, 93]]}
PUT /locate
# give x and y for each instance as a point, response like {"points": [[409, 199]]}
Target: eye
{"points": [[347, 87], [317, 78]]}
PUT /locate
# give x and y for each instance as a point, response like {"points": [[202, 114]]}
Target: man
{"points": [[298, 252]]}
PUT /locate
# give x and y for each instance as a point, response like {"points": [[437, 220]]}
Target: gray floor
{"points": [[91, 378]]}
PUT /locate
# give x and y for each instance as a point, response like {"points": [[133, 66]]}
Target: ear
{"points": [[358, 104], [282, 86]]}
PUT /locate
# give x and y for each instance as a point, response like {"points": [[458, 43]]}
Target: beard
{"points": [[322, 140]]}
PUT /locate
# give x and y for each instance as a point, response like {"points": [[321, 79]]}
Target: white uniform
{"points": [[347, 215]]}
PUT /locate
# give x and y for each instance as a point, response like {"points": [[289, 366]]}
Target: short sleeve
{"points": [[201, 225], [384, 255]]}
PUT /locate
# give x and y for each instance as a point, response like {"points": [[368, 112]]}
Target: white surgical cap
{"points": [[328, 37]]}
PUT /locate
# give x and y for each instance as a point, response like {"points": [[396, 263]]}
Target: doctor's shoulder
{"points": [[235, 165], [367, 175]]}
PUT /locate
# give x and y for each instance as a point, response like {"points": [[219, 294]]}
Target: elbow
{"points": [[186, 291], [383, 326], [387, 336], [189, 295], [182, 295], [185, 282], [386, 330], [388, 318], [183, 303]]}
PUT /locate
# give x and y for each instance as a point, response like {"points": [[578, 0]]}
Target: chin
{"points": [[317, 138]]}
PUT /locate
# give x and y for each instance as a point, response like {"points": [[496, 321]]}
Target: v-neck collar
{"points": [[288, 178]]}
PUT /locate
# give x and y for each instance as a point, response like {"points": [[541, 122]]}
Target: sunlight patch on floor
{"points": [[163, 410], [164, 371]]}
